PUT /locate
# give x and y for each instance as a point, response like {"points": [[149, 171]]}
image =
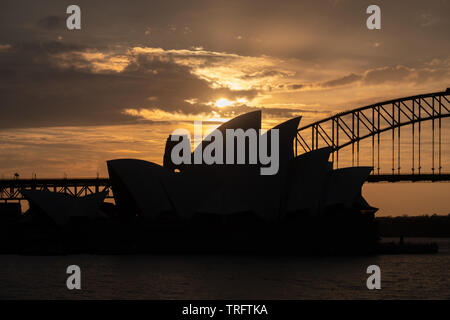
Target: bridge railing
{"points": [[11, 189]]}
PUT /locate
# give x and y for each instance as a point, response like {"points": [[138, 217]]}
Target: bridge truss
{"points": [[348, 129], [11, 189]]}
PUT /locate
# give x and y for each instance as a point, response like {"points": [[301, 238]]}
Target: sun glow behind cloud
{"points": [[255, 81], [222, 102]]}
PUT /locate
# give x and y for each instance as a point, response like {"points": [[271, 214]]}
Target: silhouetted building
{"points": [[61, 208], [10, 211], [305, 185]]}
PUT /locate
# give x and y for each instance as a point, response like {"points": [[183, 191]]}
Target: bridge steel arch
{"points": [[350, 127]]}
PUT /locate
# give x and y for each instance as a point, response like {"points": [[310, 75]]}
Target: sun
{"points": [[222, 102]]}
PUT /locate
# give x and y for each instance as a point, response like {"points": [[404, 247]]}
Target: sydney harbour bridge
{"points": [[409, 130]]}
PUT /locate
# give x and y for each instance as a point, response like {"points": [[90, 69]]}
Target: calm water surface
{"points": [[227, 277]]}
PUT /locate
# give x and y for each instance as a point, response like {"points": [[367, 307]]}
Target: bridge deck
{"points": [[409, 178], [10, 189]]}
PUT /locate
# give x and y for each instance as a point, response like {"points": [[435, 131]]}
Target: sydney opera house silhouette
{"points": [[307, 206], [304, 185]]}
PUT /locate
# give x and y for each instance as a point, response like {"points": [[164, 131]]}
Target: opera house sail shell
{"points": [[344, 186], [304, 185], [307, 181], [143, 188], [61, 208]]}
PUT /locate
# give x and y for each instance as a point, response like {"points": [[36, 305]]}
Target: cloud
{"points": [[51, 23], [5, 47], [266, 74], [296, 86], [397, 74], [342, 81], [433, 71], [428, 20], [65, 84], [348, 79]]}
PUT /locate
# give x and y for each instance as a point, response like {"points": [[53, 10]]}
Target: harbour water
{"points": [[228, 277]]}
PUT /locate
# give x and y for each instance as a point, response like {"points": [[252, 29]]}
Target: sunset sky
{"points": [[137, 70]]}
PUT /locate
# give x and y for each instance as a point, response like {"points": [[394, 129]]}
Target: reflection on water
{"points": [[227, 277]]}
